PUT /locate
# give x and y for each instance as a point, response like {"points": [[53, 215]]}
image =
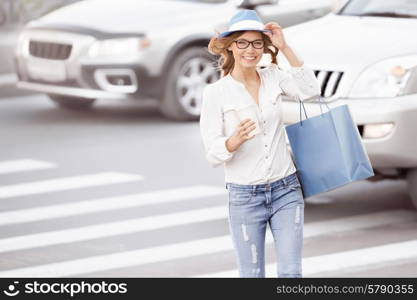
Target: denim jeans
{"points": [[251, 207]]}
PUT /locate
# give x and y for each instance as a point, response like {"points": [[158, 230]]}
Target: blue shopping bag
{"points": [[327, 150]]}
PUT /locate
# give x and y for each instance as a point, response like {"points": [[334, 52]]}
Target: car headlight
{"points": [[119, 46], [388, 78], [377, 131]]}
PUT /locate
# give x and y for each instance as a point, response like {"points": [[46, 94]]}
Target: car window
{"points": [[381, 8]]}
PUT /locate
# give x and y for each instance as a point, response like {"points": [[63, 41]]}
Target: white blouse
{"points": [[264, 158]]}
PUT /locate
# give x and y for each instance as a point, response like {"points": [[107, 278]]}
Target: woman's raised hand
{"points": [[277, 35]]}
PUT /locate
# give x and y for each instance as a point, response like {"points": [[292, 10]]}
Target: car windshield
{"points": [[381, 8]]}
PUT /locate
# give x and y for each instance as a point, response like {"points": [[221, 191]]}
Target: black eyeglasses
{"points": [[243, 44]]}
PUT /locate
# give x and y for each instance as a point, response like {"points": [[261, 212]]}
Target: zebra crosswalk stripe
{"points": [[13, 166], [66, 183], [377, 255], [80, 208], [168, 252]]}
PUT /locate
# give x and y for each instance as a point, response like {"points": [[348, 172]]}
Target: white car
{"points": [[365, 55], [133, 48]]}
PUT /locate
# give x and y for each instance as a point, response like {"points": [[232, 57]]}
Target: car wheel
{"points": [[412, 185], [72, 102], [192, 69]]}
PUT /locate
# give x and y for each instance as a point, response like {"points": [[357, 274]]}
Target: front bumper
{"points": [[396, 150], [57, 64], [68, 91], [105, 81]]}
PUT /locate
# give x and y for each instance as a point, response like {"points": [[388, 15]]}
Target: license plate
{"points": [[47, 70]]}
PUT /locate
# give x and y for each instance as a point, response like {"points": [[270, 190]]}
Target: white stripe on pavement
{"points": [[20, 165], [66, 183], [123, 259], [360, 222], [180, 218], [348, 224], [108, 204], [377, 255], [181, 250], [111, 229]]}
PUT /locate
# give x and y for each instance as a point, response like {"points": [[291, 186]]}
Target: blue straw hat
{"points": [[246, 19]]}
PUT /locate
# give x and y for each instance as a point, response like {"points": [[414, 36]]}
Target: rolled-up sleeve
{"points": [[211, 129], [299, 83]]}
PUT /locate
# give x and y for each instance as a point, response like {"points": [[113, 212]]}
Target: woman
{"points": [[259, 172]]}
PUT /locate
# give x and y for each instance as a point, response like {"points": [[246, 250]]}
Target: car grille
{"points": [[329, 81], [50, 50]]}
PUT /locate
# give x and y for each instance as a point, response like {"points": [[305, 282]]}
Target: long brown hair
{"points": [[226, 61]]}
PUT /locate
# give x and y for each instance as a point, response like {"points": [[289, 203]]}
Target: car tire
{"points": [[412, 185], [75, 103], [192, 69]]}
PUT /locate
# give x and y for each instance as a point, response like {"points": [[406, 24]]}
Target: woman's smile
{"points": [[249, 57]]}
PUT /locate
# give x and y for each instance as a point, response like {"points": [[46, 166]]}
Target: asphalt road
{"points": [[119, 191]]}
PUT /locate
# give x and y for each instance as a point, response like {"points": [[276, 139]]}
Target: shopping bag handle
{"points": [[305, 113], [321, 101]]}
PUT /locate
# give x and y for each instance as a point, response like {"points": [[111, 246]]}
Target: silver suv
{"points": [[136, 49]]}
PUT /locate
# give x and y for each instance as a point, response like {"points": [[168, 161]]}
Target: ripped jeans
{"points": [[251, 207]]}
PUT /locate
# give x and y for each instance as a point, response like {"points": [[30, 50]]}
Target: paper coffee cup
{"points": [[249, 112]]}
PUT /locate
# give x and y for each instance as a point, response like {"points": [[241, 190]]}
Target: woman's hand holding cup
{"points": [[241, 135]]}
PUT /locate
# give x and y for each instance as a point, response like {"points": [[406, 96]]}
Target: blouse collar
{"points": [[231, 79]]}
